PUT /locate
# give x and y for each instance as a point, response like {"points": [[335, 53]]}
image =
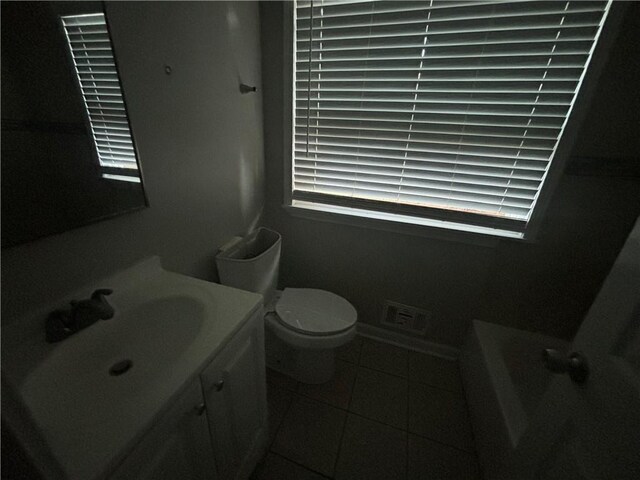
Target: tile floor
{"points": [[389, 413]]}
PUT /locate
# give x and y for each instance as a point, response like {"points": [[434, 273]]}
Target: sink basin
{"points": [[93, 394], [151, 335], [162, 329]]}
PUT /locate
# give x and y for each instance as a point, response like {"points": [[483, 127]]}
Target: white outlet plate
{"points": [[405, 317]]}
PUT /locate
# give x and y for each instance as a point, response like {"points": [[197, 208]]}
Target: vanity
{"points": [[172, 387]]}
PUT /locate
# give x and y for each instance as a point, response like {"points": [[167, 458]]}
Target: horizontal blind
{"points": [[92, 54], [435, 107]]}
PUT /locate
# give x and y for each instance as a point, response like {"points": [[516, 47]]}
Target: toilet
{"points": [[303, 326]]}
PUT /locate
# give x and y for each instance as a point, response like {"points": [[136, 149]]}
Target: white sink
{"points": [[166, 327], [152, 335]]}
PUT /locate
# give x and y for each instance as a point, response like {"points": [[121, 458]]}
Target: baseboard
{"points": [[405, 341]]}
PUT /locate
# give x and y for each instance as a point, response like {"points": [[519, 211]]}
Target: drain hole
{"points": [[120, 367]]}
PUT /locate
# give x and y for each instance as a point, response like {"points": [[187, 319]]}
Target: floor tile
{"points": [[351, 351], [278, 401], [310, 435], [384, 357], [434, 371], [440, 415], [371, 451], [337, 391], [275, 467], [280, 380], [432, 460], [380, 397]]}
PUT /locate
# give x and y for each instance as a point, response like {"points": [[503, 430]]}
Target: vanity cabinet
{"points": [[178, 445], [234, 388], [217, 429]]}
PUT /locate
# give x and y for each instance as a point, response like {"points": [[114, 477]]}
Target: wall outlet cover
{"points": [[405, 317]]}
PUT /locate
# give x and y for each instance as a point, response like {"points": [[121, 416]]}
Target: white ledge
{"points": [[406, 224]]}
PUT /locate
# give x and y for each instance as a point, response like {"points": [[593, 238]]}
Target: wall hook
{"points": [[244, 88]]}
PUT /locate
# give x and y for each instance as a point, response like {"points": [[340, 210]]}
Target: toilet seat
{"points": [[314, 312]]}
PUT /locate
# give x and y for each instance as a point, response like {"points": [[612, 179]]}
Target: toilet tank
{"points": [[252, 263]]}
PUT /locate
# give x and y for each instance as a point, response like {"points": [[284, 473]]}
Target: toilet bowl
{"points": [[311, 318], [304, 326]]}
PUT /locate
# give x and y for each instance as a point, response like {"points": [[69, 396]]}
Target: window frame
{"points": [[438, 227]]}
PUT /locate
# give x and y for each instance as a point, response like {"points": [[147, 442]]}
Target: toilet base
{"points": [[311, 366]]}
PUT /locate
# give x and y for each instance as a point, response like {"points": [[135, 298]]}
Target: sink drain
{"points": [[120, 367]]}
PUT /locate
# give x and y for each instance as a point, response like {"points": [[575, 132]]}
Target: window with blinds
{"points": [[95, 67], [435, 109]]}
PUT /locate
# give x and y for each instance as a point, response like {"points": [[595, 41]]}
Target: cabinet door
{"points": [[177, 447], [235, 393]]}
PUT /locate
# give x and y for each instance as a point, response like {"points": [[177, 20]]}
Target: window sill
{"points": [[424, 227]]}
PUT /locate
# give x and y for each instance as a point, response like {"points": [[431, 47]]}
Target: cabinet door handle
{"points": [[219, 385], [200, 409]]}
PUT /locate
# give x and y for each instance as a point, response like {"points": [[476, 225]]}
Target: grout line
{"points": [[377, 421], [300, 465], [295, 393], [369, 418], [405, 429], [472, 452], [412, 380], [382, 371], [284, 415], [355, 379], [359, 364], [406, 459], [437, 387], [407, 397], [346, 417], [344, 427]]}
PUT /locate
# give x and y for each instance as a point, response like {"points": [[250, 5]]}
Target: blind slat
{"points": [[442, 132], [334, 120], [442, 179], [510, 164], [417, 33], [460, 10], [416, 138], [318, 111], [432, 168], [420, 99]]}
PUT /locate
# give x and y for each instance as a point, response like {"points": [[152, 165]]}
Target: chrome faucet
{"points": [[63, 323]]}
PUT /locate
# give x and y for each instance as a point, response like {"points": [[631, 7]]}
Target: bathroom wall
{"points": [[200, 143], [544, 286]]}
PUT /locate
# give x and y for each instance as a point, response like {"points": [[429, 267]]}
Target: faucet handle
{"points": [[58, 326], [98, 294]]}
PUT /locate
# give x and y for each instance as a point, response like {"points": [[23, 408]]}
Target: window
{"points": [[448, 111], [95, 67]]}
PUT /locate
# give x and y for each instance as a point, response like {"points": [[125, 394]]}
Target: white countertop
{"points": [[90, 419]]}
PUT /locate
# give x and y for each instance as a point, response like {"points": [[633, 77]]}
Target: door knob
{"points": [[218, 385], [575, 364]]}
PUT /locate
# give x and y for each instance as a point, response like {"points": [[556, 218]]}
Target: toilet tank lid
{"points": [[313, 311]]}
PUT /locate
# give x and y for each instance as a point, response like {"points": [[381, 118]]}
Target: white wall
{"points": [[200, 143], [545, 286]]}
